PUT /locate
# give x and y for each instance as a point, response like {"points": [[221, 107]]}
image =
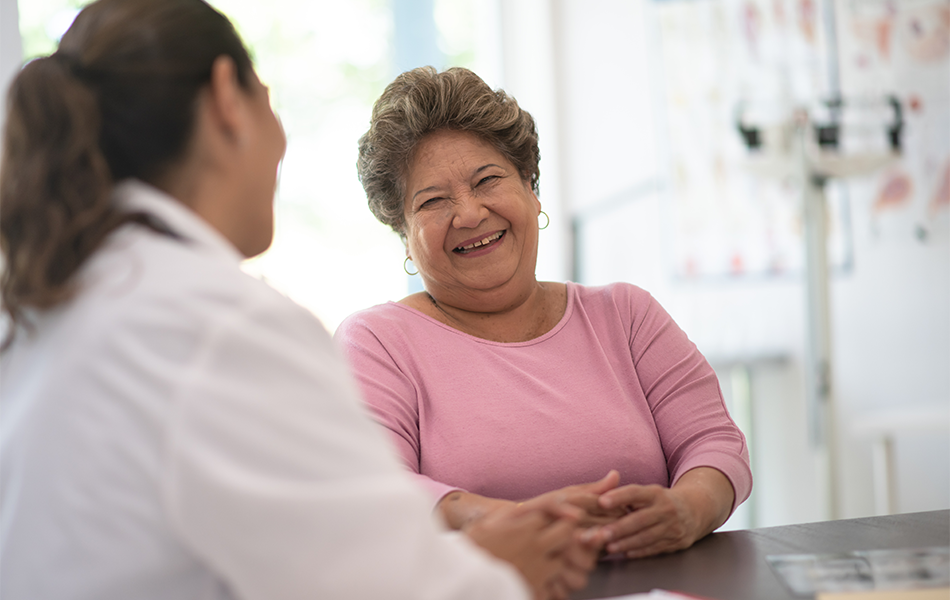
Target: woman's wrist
{"points": [[708, 494], [461, 509]]}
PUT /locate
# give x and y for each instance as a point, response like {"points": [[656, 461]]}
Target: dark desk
{"points": [[731, 565]]}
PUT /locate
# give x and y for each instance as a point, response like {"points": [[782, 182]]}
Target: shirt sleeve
{"points": [[683, 392], [278, 481], [390, 392]]}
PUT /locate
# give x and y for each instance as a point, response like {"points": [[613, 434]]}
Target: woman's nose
{"points": [[469, 212]]}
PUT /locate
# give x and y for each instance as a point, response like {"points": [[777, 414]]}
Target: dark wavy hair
{"points": [[116, 100], [424, 100]]}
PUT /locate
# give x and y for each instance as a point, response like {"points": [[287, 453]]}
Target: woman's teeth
{"points": [[481, 242]]}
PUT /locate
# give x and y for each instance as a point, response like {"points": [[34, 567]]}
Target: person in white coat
{"points": [[171, 427]]}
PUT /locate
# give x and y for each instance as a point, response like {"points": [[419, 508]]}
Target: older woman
{"points": [[498, 388]]}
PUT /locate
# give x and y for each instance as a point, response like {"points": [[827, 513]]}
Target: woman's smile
{"points": [[480, 246]]}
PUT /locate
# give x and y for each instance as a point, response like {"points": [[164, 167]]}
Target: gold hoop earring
{"points": [[547, 222], [406, 268]]}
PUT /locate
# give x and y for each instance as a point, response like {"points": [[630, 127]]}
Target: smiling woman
{"points": [[471, 229], [501, 389]]}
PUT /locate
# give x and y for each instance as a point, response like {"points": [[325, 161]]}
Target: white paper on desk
{"points": [[652, 595]]}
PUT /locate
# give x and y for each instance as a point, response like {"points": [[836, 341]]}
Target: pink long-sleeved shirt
{"points": [[614, 385]]}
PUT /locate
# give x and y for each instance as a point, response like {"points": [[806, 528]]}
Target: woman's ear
{"points": [[527, 186], [226, 98]]}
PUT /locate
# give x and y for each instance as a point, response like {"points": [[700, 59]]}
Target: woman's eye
{"points": [[429, 202], [486, 179]]}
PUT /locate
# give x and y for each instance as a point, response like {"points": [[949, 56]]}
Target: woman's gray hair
{"points": [[421, 101]]}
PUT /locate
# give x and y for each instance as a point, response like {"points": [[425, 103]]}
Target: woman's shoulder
{"points": [[613, 295], [626, 307], [381, 320], [619, 305]]}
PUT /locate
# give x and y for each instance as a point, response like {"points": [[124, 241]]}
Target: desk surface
{"points": [[731, 565]]}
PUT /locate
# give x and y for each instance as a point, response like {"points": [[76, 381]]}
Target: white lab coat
{"points": [[179, 430]]}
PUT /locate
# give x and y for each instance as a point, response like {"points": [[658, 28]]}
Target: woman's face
{"points": [[471, 222], [265, 149]]}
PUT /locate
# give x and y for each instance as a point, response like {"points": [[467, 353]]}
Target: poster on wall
{"points": [[762, 61], [903, 48]]}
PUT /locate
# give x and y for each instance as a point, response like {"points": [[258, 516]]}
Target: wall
{"points": [[10, 50]]}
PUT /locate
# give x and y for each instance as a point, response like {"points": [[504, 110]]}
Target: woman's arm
{"points": [[706, 454], [683, 393]]}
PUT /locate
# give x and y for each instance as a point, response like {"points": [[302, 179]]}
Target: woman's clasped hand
{"points": [[659, 520], [547, 543]]}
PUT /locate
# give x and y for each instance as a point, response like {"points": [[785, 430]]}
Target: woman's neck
{"points": [[525, 319]]}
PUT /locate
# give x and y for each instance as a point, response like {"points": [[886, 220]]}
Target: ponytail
{"points": [[54, 186]]}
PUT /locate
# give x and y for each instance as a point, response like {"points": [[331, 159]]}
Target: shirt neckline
{"points": [[568, 311]]}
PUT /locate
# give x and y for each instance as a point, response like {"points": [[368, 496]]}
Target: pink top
{"points": [[616, 384]]}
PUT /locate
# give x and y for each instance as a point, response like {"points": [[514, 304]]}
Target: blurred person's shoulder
{"points": [[177, 278]]}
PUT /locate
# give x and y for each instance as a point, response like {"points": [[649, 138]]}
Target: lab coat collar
{"points": [[136, 195]]}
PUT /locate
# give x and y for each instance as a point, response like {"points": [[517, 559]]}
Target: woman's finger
{"points": [[581, 507], [581, 554], [635, 528], [632, 496], [591, 512], [608, 482], [557, 591], [574, 579], [557, 536], [659, 525], [660, 546], [641, 539], [550, 503]]}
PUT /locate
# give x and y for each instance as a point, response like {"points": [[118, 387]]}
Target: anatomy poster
{"points": [[903, 48], [763, 60]]}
